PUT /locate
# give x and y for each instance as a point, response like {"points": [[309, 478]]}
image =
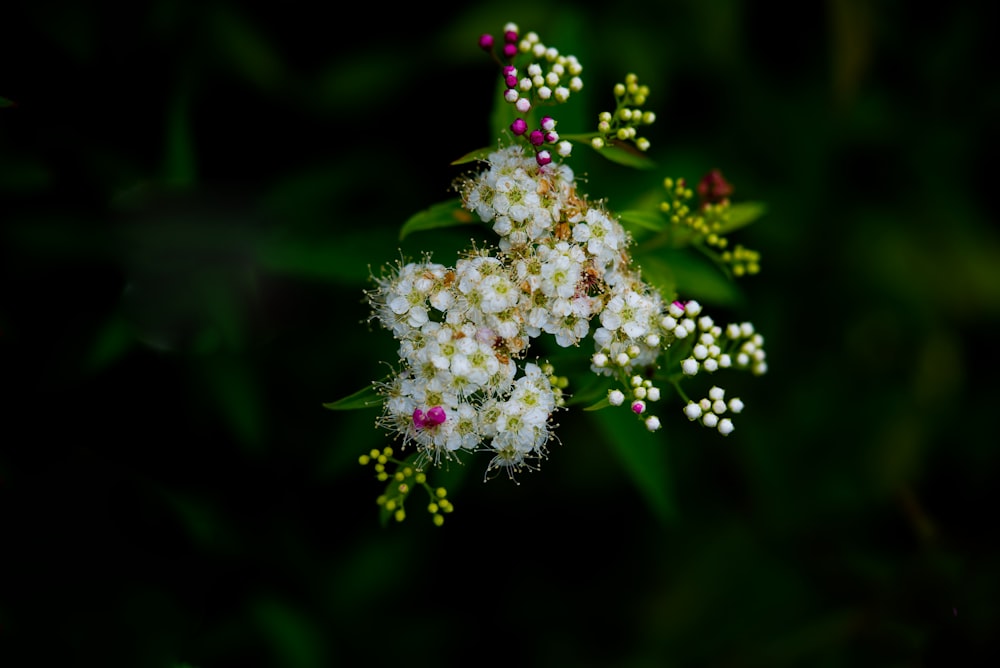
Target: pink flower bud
{"points": [[519, 127], [486, 42], [436, 416]]}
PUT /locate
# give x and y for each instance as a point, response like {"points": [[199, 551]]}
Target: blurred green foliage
{"points": [[192, 196]]}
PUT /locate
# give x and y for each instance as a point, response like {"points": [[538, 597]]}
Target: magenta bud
{"points": [[436, 416], [543, 158], [486, 42], [518, 127], [536, 137], [510, 36], [638, 407], [510, 50], [511, 81], [419, 419], [551, 137]]}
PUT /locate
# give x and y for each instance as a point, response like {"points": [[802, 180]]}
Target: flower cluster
{"points": [[402, 483], [622, 123], [710, 221], [562, 267], [544, 77], [709, 410]]}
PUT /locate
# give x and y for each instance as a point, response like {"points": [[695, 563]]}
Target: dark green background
{"points": [[192, 194]]}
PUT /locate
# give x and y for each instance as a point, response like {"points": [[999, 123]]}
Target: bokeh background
{"points": [[192, 196]]}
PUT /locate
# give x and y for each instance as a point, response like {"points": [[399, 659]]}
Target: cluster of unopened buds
{"points": [[561, 267], [709, 221], [623, 123], [709, 410], [401, 483], [642, 391], [550, 78]]}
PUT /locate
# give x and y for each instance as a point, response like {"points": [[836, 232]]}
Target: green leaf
{"points": [[443, 214], [367, 397], [592, 391], [503, 113], [691, 275], [603, 403], [579, 137], [660, 276], [474, 156], [625, 154], [643, 456], [615, 151], [741, 215], [649, 220]]}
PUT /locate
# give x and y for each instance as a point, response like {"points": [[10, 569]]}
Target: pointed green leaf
{"points": [[691, 275], [443, 214], [591, 392], [503, 113], [614, 150], [367, 397], [603, 403], [659, 275], [473, 156], [580, 137], [624, 154], [643, 456], [741, 215], [649, 220]]}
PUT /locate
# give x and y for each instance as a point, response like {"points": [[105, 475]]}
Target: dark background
{"points": [[192, 195]]}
